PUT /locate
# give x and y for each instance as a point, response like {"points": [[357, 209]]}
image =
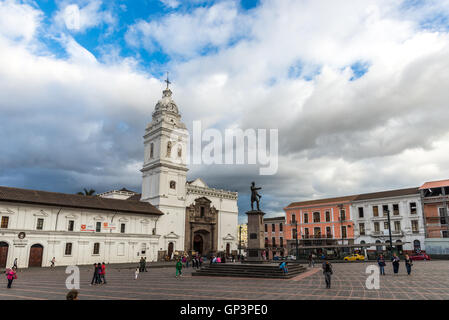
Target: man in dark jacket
{"points": [[95, 276], [327, 271]]}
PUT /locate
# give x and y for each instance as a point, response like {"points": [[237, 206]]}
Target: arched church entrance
{"points": [[36, 253], [4, 247], [198, 244], [170, 250]]}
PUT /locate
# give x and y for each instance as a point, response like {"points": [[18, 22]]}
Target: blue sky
{"points": [[353, 88]]}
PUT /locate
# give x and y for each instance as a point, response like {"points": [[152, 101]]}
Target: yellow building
{"points": [[243, 234]]}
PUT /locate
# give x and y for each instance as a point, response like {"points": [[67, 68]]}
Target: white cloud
{"points": [[387, 129], [18, 21], [173, 4], [76, 17], [187, 35]]}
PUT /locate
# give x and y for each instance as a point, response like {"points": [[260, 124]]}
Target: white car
{"points": [[290, 257]]}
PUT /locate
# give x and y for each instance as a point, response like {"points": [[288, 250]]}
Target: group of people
{"points": [[197, 261], [395, 262], [99, 276]]}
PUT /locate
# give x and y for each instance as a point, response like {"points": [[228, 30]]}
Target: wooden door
{"points": [[36, 256], [3, 254], [170, 249]]}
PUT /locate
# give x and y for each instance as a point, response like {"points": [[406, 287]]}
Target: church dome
{"points": [[166, 103]]}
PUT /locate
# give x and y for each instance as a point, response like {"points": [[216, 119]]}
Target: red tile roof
{"points": [[321, 201], [435, 184], [75, 201]]}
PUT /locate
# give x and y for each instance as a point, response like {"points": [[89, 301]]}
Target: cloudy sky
{"points": [[359, 90]]}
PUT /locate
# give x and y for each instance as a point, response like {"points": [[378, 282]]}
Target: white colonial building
{"points": [[37, 226], [369, 213], [171, 215]]}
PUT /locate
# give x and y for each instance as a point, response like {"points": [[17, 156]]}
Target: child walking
{"points": [[136, 274], [178, 268]]}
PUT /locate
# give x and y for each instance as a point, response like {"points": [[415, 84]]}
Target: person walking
{"points": [[178, 268], [145, 264], [311, 262], [184, 261], [94, 277], [103, 273], [53, 261], [141, 263], [408, 264], [200, 261], [327, 271], [187, 261], [136, 273], [10, 275], [99, 272], [395, 261], [382, 264], [15, 265]]}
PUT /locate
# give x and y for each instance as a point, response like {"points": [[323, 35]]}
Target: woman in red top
{"points": [[103, 273], [10, 275]]}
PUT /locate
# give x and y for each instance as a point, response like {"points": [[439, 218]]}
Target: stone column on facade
{"points": [[191, 237], [212, 242]]}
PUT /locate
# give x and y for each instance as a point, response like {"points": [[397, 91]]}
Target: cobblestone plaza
{"points": [[429, 280]]}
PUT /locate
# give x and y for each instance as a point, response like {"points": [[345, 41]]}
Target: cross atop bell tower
{"points": [[167, 81]]}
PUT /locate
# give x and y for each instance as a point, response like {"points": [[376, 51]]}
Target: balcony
{"points": [[317, 236]]}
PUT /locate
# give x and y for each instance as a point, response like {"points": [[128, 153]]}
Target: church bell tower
{"points": [[165, 163]]}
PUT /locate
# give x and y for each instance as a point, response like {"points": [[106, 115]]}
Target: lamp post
{"points": [[240, 240], [389, 232], [296, 237]]}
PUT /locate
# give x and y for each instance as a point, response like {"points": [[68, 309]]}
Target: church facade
{"points": [[196, 217], [171, 215]]}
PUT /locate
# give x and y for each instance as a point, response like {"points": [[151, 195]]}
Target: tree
{"points": [[91, 192]]}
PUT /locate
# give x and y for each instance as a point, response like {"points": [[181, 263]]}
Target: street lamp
{"points": [[296, 237], [389, 232]]}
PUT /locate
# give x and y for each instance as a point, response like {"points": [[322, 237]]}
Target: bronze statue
{"points": [[255, 196]]}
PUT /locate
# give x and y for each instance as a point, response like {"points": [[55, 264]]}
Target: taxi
{"points": [[354, 257]]}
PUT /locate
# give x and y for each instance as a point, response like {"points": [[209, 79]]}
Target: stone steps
{"points": [[249, 271]]}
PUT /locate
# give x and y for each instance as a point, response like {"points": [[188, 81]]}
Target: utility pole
{"points": [[296, 237]]}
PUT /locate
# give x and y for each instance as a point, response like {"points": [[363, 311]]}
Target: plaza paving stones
{"points": [[429, 281]]}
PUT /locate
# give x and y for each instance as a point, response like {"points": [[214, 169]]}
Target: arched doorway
{"points": [[379, 248], [170, 249], [417, 246], [4, 247], [228, 249], [198, 243], [36, 252], [399, 247]]}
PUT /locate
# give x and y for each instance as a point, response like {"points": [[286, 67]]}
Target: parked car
{"points": [[290, 257], [420, 256], [276, 258], [354, 257]]}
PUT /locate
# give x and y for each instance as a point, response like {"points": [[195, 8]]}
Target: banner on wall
{"points": [[87, 228], [108, 226]]}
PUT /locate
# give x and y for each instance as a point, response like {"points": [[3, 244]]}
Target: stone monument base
{"points": [[256, 238]]}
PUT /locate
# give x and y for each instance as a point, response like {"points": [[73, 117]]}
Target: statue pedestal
{"points": [[256, 235]]}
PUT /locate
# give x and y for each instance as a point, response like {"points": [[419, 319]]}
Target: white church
{"points": [[171, 215]]}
